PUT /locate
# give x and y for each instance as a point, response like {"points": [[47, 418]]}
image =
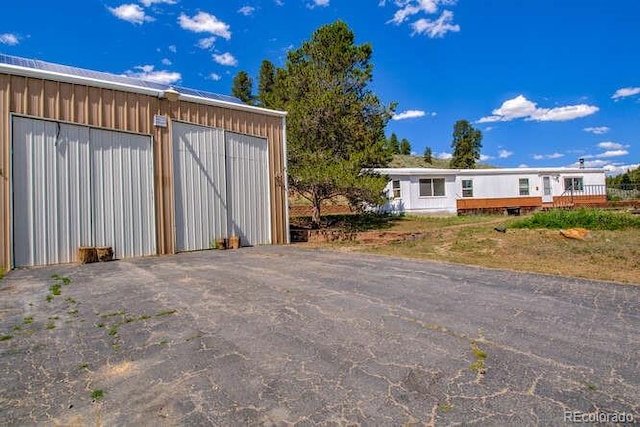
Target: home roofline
{"points": [[496, 171]]}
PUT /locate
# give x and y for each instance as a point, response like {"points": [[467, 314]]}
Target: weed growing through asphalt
{"points": [[124, 319], [165, 313], [6, 337], [62, 279], [97, 394], [27, 320], [480, 356], [51, 325], [445, 407]]}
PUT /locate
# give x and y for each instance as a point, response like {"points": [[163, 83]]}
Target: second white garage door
{"points": [[221, 187]]}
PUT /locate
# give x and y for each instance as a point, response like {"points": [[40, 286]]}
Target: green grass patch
{"points": [[51, 325], [97, 394], [55, 289], [64, 280], [6, 337], [445, 407], [592, 219], [27, 320]]}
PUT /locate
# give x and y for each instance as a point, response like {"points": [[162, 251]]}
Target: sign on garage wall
{"points": [[78, 186]]}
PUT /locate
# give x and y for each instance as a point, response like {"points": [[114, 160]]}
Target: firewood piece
{"points": [[105, 253], [87, 254]]}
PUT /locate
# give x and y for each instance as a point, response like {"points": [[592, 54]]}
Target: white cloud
{"points": [[204, 22], [215, 76], [148, 72], [147, 3], [173, 48], [409, 114], [612, 153], [523, 165], [206, 43], [488, 128], [598, 130], [562, 114], [247, 10], [437, 28], [609, 145], [626, 91], [279, 3], [9, 39], [484, 157], [503, 154], [444, 156], [521, 108], [225, 59], [166, 61], [547, 156], [318, 3], [613, 169], [410, 9], [130, 13]]}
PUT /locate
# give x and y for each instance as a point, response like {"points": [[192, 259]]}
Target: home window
{"points": [[523, 184], [467, 188], [432, 187], [396, 188], [573, 184]]}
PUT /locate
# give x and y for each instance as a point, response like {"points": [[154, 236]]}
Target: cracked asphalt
{"points": [[289, 336]]}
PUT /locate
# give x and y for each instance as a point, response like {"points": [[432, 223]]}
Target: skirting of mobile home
{"points": [[94, 159], [451, 191]]}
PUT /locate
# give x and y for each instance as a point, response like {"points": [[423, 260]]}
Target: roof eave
{"points": [[87, 81]]}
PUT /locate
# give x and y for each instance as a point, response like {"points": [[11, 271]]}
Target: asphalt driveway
{"points": [[283, 336]]}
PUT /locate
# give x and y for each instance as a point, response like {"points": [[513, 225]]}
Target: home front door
{"points": [[547, 195]]}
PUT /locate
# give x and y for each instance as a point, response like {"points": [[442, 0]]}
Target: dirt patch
{"points": [[605, 255]]}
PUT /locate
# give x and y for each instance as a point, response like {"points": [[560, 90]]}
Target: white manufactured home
{"points": [[425, 190]]}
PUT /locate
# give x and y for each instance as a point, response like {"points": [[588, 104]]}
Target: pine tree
{"points": [[266, 82], [243, 87], [335, 123], [405, 147], [466, 144], [428, 155]]}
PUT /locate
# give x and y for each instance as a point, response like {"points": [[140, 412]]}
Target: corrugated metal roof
{"points": [[98, 76]]}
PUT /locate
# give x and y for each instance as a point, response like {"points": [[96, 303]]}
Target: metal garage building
{"points": [[95, 159]]}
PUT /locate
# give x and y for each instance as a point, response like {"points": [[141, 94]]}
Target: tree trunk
{"points": [[315, 214]]}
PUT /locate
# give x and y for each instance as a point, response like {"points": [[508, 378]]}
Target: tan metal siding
{"points": [[117, 110]]}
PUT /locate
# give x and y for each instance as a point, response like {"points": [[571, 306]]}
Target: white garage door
{"points": [[200, 186], [77, 186], [248, 188]]}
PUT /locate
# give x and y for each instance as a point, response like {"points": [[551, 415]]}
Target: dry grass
{"points": [[604, 255]]}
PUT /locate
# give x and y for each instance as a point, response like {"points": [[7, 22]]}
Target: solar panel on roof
{"points": [[111, 78], [208, 95]]}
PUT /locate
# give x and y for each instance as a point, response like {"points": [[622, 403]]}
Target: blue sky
{"points": [[547, 81]]}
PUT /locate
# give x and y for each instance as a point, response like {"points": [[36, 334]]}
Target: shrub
{"points": [[592, 219]]}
